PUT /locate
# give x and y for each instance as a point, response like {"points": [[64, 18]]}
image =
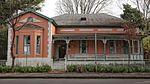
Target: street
{"points": [[74, 81]]}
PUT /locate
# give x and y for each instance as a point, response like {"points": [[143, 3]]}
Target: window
{"points": [[27, 44], [135, 44], [38, 42], [112, 47], [125, 47], [83, 47], [17, 41], [30, 19]]}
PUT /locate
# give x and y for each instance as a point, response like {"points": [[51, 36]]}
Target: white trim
{"points": [[67, 30], [120, 30], [86, 29], [104, 29]]}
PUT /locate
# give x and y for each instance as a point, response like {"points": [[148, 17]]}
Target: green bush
{"points": [[90, 68], [25, 69], [113, 68], [71, 68]]}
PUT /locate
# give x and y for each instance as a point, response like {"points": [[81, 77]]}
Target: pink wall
{"points": [[33, 32]]}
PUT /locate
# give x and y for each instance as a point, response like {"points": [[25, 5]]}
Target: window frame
{"points": [[112, 49], [135, 47], [38, 45], [17, 44], [26, 45], [82, 45]]}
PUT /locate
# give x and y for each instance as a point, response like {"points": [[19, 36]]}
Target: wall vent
{"points": [[83, 19]]}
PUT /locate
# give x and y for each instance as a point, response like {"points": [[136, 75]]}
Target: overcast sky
{"points": [[49, 8]]}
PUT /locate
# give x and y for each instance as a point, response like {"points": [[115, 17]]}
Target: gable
{"points": [[30, 26], [37, 17], [34, 20]]}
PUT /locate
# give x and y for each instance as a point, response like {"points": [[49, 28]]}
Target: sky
{"points": [[49, 8]]}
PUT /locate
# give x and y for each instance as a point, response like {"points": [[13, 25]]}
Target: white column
{"points": [[50, 42], [9, 58]]}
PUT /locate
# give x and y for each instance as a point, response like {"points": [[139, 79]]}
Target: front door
{"points": [[62, 51]]}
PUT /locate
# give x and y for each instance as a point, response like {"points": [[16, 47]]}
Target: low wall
{"points": [[2, 62], [31, 61]]}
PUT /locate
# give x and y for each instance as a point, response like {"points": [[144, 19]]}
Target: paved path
{"points": [[74, 81], [77, 75]]}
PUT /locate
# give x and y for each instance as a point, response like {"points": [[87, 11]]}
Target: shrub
{"points": [[71, 68], [25, 69], [90, 68], [113, 68], [101, 68]]}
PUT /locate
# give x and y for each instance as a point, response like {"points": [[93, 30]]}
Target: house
{"points": [[73, 39]]}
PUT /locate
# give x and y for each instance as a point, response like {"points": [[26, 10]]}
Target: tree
{"points": [[144, 7], [9, 10], [132, 15], [81, 6], [133, 19]]}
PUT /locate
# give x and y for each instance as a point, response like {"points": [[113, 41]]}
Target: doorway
{"points": [[62, 51]]}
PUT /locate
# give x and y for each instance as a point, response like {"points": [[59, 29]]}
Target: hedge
{"points": [[25, 69], [113, 68]]}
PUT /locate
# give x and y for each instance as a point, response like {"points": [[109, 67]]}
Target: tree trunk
{"points": [[12, 48]]}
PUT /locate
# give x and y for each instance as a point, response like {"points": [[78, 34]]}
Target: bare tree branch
{"points": [[81, 6]]}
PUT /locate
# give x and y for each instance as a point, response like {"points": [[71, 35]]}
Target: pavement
{"points": [[74, 81], [77, 75]]}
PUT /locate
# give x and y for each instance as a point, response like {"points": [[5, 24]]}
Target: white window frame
{"points": [[26, 47], [38, 45], [81, 42]]}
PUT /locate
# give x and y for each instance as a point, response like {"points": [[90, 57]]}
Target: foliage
{"points": [[146, 42], [3, 43], [71, 68], [25, 69], [9, 8], [144, 7], [112, 68], [132, 15]]}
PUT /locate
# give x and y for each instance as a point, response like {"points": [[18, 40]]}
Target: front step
{"points": [[60, 65]]}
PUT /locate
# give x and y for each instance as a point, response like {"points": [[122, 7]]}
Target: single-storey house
{"points": [[73, 39]]}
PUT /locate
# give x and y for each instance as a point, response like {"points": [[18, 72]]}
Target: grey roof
{"points": [[101, 19]]}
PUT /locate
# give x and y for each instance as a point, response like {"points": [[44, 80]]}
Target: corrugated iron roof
{"points": [[101, 19]]}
